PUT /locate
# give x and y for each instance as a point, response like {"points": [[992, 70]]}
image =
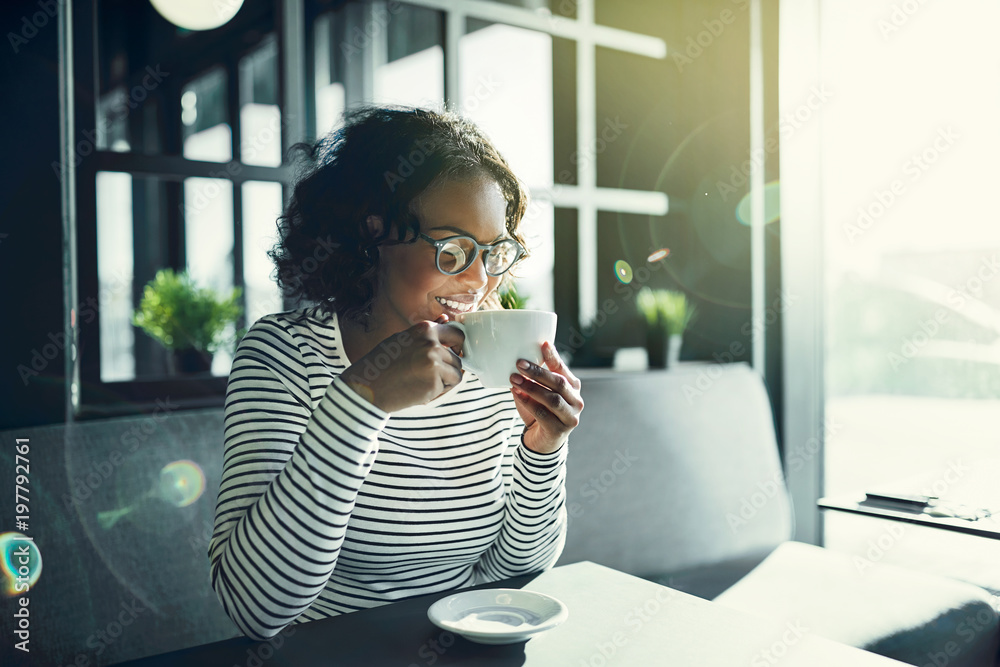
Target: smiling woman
{"points": [[362, 465]]}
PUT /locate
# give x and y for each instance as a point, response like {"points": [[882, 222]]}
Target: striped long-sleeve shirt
{"points": [[328, 504]]}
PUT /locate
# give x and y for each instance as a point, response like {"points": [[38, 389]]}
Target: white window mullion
{"points": [[586, 130], [454, 30]]}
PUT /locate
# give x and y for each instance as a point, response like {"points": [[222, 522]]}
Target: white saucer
{"points": [[498, 615]]}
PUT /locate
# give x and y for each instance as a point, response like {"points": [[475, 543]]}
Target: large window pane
{"points": [[260, 114], [332, 50], [913, 319], [204, 117], [414, 71], [209, 242], [261, 208], [115, 269], [506, 88]]}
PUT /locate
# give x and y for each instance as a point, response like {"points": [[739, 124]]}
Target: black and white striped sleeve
{"points": [[534, 525], [289, 482]]}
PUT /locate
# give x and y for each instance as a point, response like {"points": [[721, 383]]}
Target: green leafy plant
{"points": [[510, 299], [665, 309], [183, 316]]}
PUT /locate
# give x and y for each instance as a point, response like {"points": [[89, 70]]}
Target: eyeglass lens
{"points": [[458, 254]]}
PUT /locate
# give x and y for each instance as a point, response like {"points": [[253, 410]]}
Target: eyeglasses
{"points": [[457, 253]]}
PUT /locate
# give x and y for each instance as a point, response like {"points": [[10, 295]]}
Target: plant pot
{"points": [[190, 362], [656, 346], [674, 342]]}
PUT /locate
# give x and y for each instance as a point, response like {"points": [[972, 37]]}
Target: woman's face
{"points": [[411, 288]]}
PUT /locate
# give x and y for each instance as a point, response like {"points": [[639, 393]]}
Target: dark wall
{"points": [[30, 224]]}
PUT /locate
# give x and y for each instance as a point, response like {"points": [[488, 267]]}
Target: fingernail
{"points": [[523, 365], [516, 379]]}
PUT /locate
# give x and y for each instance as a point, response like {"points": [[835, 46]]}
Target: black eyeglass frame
{"points": [[480, 250]]}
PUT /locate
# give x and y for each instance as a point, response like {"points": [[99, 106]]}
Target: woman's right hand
{"points": [[409, 368]]}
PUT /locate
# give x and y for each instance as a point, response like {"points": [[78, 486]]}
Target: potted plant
{"points": [[510, 299], [190, 321], [667, 314]]}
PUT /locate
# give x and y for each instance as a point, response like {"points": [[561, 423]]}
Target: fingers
{"points": [[550, 404], [449, 336], [557, 383], [555, 363], [547, 407]]}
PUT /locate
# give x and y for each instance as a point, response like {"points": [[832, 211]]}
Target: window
{"points": [[911, 247], [188, 170]]}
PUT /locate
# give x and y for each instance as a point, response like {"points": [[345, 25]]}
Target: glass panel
{"points": [[414, 73], [506, 88], [115, 268], [332, 50], [209, 242], [204, 117], [260, 114], [559, 7], [131, 74], [261, 208], [913, 304]]}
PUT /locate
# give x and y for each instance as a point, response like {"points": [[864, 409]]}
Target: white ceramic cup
{"points": [[496, 339]]}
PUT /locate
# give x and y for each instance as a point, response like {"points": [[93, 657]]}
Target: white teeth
{"points": [[456, 305]]}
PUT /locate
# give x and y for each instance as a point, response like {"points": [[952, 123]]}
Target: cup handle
{"points": [[466, 352]]}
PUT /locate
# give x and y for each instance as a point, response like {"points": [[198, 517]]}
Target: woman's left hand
{"points": [[548, 400]]}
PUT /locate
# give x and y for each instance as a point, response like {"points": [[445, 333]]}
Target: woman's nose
{"points": [[475, 276]]}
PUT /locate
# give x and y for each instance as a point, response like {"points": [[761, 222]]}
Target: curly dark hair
{"points": [[377, 163]]}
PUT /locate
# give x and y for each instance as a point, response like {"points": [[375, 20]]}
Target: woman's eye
{"points": [[452, 257]]}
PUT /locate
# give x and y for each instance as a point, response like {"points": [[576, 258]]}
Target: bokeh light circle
{"points": [[181, 482], [13, 547], [623, 271]]}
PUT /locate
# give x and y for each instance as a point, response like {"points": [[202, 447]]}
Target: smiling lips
{"points": [[467, 305]]}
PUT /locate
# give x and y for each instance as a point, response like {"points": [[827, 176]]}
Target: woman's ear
{"points": [[375, 226]]}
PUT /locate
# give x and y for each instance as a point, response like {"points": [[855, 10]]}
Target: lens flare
{"points": [[623, 272], [658, 255], [181, 482], [21, 564], [772, 204]]}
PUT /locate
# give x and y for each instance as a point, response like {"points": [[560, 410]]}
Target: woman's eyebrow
{"points": [[463, 232]]}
